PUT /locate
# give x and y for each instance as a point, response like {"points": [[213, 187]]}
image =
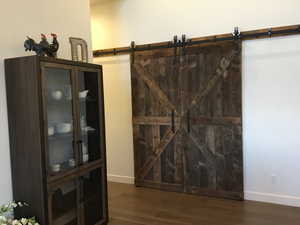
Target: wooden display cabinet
{"points": [[57, 140]]}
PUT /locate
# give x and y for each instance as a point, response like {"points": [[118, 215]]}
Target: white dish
{"points": [[57, 95], [50, 131], [55, 167], [63, 128], [83, 94]]}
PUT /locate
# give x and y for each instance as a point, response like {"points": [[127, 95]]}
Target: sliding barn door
{"points": [[187, 120], [156, 105], [212, 110]]}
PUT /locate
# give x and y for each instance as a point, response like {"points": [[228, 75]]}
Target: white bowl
{"points": [[50, 131], [63, 128], [55, 167], [83, 94], [57, 95]]}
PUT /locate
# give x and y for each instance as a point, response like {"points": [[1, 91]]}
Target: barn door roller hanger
{"points": [[176, 43]]}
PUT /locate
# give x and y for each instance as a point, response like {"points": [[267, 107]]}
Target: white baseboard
{"points": [[120, 179], [273, 198]]}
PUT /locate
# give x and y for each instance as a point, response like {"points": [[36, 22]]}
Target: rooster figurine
{"points": [[44, 47]]}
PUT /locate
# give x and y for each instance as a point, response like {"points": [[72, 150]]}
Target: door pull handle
{"points": [[188, 117], [173, 121]]}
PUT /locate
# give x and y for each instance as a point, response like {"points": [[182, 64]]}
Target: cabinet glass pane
{"points": [[89, 116], [60, 119], [64, 204], [93, 209]]}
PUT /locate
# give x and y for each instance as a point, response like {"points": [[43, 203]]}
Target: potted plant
{"points": [[6, 212]]}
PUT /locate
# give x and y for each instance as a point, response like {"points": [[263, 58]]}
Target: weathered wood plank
{"points": [[203, 87], [178, 158], [158, 151], [144, 75], [213, 162], [221, 121], [209, 156], [157, 165], [137, 157], [154, 120], [219, 73], [161, 185]]}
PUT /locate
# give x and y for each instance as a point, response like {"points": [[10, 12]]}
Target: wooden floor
{"points": [[138, 206]]}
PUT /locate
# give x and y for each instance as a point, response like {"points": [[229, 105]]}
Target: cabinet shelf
{"points": [[52, 101], [65, 169], [63, 136], [59, 101], [60, 136], [75, 171]]}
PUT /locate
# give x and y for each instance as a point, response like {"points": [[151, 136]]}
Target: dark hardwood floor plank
{"points": [[141, 206]]}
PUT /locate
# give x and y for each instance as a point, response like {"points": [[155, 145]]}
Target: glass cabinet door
{"points": [[93, 198], [60, 119], [89, 116], [63, 204]]}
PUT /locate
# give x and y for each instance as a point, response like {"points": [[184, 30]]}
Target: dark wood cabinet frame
{"points": [[27, 116]]}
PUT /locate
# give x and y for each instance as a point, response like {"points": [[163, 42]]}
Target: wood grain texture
{"points": [[162, 98], [213, 143], [141, 206], [155, 92], [193, 101]]}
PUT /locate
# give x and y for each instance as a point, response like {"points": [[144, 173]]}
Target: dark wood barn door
{"points": [[187, 120], [212, 109], [156, 105]]}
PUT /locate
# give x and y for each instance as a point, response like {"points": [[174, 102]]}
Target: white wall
{"points": [[271, 109], [32, 17], [271, 81]]}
